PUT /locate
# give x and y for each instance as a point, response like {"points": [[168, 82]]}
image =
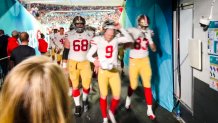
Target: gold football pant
{"points": [[109, 78], [139, 66], [80, 69], [57, 55]]}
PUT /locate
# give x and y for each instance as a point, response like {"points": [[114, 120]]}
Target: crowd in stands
{"points": [[94, 19], [56, 15], [50, 7]]}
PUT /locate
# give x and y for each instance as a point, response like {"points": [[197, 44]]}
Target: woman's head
{"points": [[35, 91]]}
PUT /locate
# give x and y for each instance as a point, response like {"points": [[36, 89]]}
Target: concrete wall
{"points": [[201, 94], [202, 8]]}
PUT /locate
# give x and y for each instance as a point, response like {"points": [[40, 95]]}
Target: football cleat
{"points": [[151, 116], [77, 112], [85, 106], [112, 117]]}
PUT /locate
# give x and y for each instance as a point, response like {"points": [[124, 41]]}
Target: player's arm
{"points": [[91, 58], [91, 52], [151, 43], [50, 42], [66, 52], [126, 38], [153, 47]]}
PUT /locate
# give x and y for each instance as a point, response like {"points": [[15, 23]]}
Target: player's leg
{"points": [[115, 84], [103, 87], [59, 58], [133, 77], [86, 75], [120, 57], [53, 54], [74, 77], [146, 73]]}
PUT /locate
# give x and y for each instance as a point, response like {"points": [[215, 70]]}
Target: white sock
{"points": [[105, 120], [112, 117], [85, 96], [77, 100], [149, 110], [128, 102]]}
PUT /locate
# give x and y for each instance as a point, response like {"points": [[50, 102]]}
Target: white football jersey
{"points": [[107, 51], [142, 40], [51, 41], [79, 44], [59, 40]]}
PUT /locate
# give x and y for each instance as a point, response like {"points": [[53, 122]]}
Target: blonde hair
{"points": [[35, 91]]}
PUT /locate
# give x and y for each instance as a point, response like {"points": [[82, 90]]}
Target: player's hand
{"points": [[96, 69], [97, 65], [118, 26], [58, 51], [149, 33], [55, 50]]}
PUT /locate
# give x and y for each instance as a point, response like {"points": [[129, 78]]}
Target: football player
{"points": [[139, 63], [76, 45], [51, 43], [59, 44], [106, 64]]}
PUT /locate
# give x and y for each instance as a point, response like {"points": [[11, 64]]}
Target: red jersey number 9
{"points": [[109, 51], [80, 45]]}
